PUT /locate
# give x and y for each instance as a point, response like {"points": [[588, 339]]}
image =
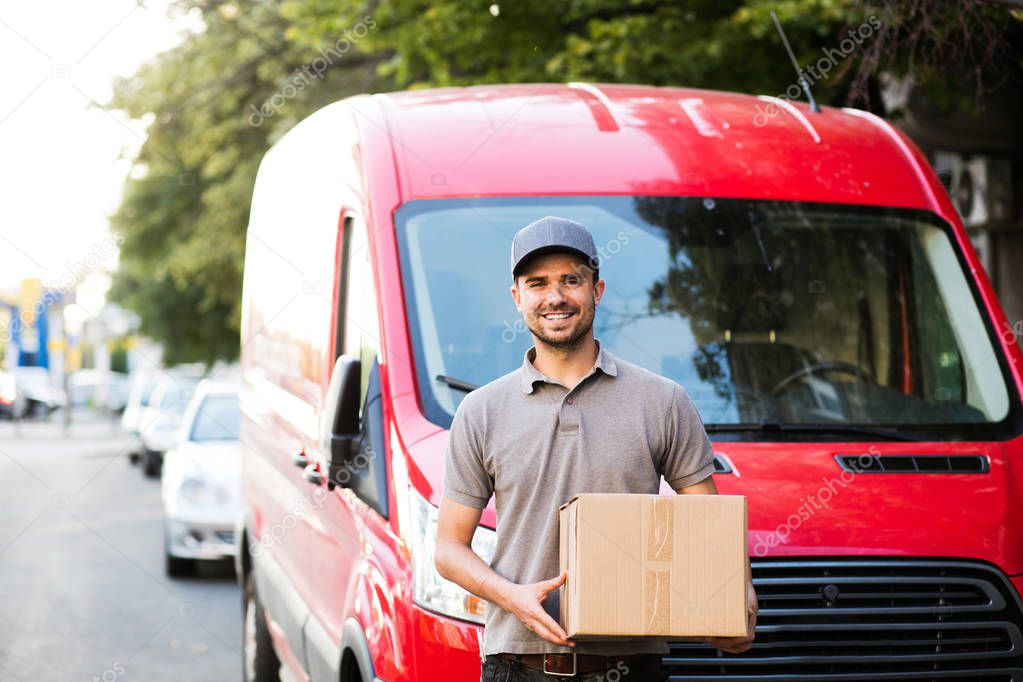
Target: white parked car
{"points": [[42, 396], [111, 395], [202, 480], [12, 403], [162, 417], [143, 383]]}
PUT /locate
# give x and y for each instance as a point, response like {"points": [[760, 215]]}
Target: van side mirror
{"points": [[339, 421]]}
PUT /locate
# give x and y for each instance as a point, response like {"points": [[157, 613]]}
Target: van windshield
{"points": [[763, 311]]}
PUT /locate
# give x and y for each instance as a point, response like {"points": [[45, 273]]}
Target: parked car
{"points": [[806, 280], [113, 393], [201, 479], [161, 419], [143, 383], [42, 396], [102, 389], [12, 403], [82, 386]]}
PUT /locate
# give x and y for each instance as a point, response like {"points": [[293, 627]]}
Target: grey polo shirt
{"points": [[533, 443]]}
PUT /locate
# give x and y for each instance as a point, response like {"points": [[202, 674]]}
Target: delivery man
{"points": [[544, 433]]}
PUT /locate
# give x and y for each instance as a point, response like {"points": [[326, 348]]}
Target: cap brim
{"points": [[555, 248]]}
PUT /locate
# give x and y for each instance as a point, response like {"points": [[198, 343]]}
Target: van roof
{"points": [[581, 138]]}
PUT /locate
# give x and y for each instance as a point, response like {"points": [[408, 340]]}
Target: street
{"points": [[82, 580]]}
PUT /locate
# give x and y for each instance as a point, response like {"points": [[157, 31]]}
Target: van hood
{"points": [[801, 502]]}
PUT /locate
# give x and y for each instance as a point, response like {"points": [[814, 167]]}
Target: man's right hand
{"points": [[525, 602], [456, 561]]}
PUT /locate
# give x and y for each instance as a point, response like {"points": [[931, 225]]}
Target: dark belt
{"points": [[567, 665]]}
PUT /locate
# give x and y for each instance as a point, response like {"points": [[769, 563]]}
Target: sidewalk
{"points": [[86, 424]]}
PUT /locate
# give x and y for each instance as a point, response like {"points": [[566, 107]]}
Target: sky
{"points": [[63, 157]]}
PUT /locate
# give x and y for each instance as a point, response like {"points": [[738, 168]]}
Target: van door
{"points": [[286, 334], [335, 540]]}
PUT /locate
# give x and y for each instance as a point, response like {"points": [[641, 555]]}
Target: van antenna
{"points": [[799, 71]]}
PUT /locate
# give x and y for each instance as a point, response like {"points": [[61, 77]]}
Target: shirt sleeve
{"points": [[689, 456], [466, 479]]}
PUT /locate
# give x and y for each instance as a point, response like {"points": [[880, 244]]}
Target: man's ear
{"points": [[515, 297], [598, 291]]}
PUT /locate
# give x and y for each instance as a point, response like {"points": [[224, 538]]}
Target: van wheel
{"points": [[259, 661]]}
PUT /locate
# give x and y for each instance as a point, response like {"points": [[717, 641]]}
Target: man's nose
{"points": [[555, 293]]}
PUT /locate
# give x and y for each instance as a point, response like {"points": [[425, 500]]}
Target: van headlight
{"points": [[429, 589]]}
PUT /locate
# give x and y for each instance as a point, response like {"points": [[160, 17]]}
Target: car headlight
{"points": [[429, 589], [193, 490], [199, 493]]}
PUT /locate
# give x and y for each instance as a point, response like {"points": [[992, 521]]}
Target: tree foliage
{"points": [[219, 100]]}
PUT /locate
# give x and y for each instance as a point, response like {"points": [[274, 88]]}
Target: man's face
{"points": [[557, 297]]}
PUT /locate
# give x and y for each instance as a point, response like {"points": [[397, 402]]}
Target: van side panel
{"points": [[332, 531], [287, 304]]}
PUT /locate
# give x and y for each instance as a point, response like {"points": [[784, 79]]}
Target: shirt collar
{"points": [[530, 375]]}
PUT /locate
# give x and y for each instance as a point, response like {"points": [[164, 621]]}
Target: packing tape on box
{"points": [[658, 547]]}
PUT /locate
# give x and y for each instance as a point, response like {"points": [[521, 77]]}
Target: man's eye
{"points": [[573, 280]]}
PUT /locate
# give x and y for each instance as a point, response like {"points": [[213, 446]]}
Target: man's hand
{"points": [[456, 561], [737, 645], [525, 602]]}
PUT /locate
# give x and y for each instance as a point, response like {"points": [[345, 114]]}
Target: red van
{"points": [[803, 275]]}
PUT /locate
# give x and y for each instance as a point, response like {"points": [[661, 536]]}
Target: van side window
{"points": [[358, 334], [358, 322], [342, 289]]}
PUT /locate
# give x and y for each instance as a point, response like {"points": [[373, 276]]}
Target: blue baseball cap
{"points": [[552, 234]]}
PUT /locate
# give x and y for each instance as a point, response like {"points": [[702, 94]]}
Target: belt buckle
{"points": [[551, 672]]}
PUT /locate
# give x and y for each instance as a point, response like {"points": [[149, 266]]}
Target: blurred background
{"points": [[130, 135]]}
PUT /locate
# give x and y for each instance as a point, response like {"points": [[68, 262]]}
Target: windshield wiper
{"points": [[457, 383], [789, 427]]}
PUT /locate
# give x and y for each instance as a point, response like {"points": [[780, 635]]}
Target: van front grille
{"points": [[885, 619]]}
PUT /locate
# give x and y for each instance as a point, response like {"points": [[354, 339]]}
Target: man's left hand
{"points": [[737, 645]]}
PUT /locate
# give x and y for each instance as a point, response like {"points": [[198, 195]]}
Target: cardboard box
{"points": [[654, 565]]}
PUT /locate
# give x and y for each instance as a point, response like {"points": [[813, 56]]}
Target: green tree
{"points": [[216, 104], [217, 101], [956, 48]]}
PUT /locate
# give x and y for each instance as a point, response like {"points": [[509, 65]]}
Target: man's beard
{"points": [[569, 343]]}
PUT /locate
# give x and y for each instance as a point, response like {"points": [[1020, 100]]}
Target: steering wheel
{"points": [[819, 368]]}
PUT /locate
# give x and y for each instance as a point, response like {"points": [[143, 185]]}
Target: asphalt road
{"points": [[83, 594]]}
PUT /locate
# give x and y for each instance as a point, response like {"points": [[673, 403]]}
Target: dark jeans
{"points": [[647, 669]]}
